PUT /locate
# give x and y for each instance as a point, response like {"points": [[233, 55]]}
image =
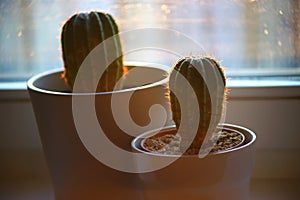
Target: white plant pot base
{"points": [[223, 175], [75, 173]]}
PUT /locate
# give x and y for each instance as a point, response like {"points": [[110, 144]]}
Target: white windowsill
{"points": [[238, 89]]}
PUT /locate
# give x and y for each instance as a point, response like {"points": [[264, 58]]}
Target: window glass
{"points": [[252, 37]]}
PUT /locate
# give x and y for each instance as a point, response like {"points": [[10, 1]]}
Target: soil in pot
{"points": [[168, 142]]}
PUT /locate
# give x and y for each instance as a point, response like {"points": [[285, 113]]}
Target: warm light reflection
{"points": [[125, 70], [266, 32], [20, 34], [165, 8], [280, 12]]}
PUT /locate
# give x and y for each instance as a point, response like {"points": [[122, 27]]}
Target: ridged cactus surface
{"points": [[198, 71], [80, 35]]}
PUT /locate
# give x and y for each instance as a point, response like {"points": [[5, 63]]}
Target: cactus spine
{"points": [[211, 73], [80, 35]]}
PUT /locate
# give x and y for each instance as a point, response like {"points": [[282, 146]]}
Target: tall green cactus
{"points": [[198, 71], [80, 35]]}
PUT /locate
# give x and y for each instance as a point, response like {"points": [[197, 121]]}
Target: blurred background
{"points": [[252, 37]]}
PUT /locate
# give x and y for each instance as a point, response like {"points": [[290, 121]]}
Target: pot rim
{"points": [[136, 141], [31, 82]]}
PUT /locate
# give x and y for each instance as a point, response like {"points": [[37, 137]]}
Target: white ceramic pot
{"points": [[75, 173], [223, 175]]}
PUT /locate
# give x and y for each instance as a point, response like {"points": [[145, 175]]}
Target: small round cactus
{"points": [[80, 35], [199, 72]]}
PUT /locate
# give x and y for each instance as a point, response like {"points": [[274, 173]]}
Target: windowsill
{"points": [[269, 189], [238, 89], [261, 83], [231, 84], [13, 86]]}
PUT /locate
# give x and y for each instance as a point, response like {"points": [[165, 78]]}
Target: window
{"points": [[253, 38]]}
